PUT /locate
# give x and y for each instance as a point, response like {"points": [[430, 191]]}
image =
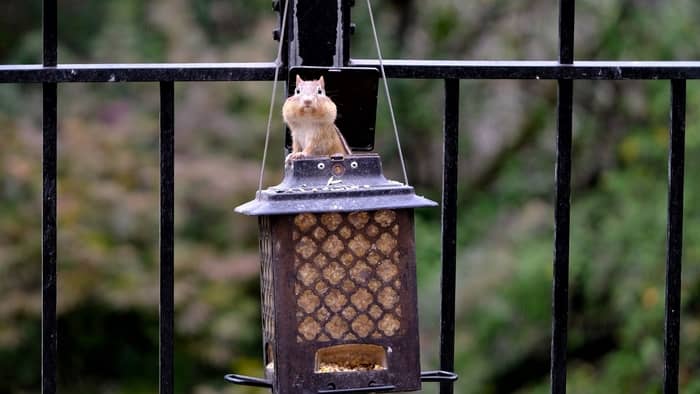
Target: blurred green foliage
{"points": [[108, 194]]}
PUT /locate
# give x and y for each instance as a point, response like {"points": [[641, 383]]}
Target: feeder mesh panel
{"points": [[268, 304], [347, 284]]}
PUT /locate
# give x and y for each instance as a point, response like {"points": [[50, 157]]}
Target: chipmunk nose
{"points": [[307, 100]]}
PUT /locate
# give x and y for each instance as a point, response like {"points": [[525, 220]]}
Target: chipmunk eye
{"points": [[319, 91], [297, 91]]}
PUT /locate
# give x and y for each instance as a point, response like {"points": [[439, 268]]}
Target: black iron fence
{"points": [[301, 39]]}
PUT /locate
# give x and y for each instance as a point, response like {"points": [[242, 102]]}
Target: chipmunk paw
{"points": [[294, 156]]}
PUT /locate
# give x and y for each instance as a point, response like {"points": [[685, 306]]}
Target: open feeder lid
{"points": [[334, 184]]}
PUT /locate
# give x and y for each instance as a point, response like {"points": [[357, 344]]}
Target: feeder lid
{"points": [[334, 184]]}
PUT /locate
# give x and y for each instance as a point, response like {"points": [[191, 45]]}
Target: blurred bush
{"points": [[108, 194]]}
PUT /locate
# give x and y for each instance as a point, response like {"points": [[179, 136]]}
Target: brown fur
{"points": [[310, 115]]}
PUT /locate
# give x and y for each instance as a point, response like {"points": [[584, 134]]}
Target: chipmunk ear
{"points": [[321, 82], [299, 80]]}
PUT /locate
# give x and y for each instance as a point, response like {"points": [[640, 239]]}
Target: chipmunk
{"points": [[310, 115]]}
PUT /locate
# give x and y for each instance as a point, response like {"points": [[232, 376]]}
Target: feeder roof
{"points": [[334, 184]]}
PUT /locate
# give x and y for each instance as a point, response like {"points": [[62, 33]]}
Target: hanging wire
{"points": [[278, 62], [386, 90]]}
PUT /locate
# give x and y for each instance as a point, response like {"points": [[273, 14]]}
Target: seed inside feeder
{"points": [[348, 367], [350, 358]]}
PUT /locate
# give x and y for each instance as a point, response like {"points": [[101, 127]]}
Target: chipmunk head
{"points": [[310, 102], [307, 93]]}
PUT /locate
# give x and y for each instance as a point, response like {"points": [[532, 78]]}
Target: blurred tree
{"points": [[108, 194]]}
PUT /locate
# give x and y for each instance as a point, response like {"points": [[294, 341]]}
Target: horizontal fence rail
{"points": [[409, 69], [138, 72]]}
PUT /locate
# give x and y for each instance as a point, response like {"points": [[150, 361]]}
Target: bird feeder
{"points": [[338, 263], [338, 278]]}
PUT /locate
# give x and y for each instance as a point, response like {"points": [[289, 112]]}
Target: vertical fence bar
{"points": [[566, 31], [676, 159], [49, 345], [562, 209], [167, 234], [50, 33], [49, 334], [449, 230], [560, 291]]}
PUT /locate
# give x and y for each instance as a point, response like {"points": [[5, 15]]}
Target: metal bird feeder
{"points": [[338, 264], [338, 278]]}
